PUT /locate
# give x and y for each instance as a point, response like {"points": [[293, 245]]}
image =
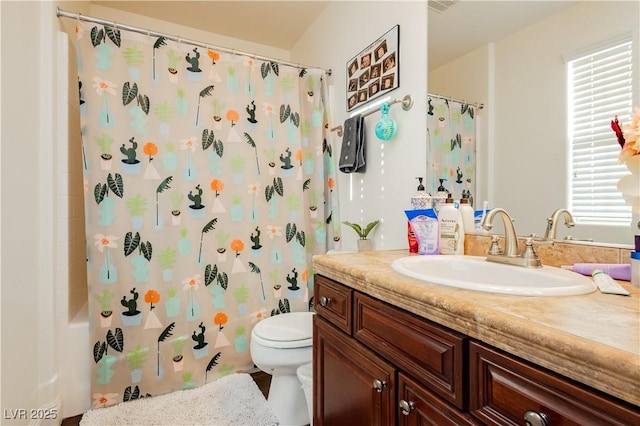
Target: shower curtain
{"points": [[451, 147], [209, 184]]}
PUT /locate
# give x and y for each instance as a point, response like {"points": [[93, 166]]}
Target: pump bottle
{"points": [[467, 213], [451, 228]]}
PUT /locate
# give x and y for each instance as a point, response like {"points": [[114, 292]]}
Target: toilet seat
{"points": [[290, 330]]}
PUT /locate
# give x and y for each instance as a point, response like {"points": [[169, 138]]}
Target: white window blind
{"points": [[600, 87]]}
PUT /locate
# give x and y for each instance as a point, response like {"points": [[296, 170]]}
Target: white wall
{"points": [[384, 191], [526, 103]]}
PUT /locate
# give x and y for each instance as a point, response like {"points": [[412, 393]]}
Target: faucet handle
{"points": [[530, 255], [495, 246]]}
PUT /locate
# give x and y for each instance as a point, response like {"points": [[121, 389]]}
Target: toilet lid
{"points": [[289, 327]]}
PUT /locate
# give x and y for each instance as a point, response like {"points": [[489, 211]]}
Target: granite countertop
{"points": [[593, 339]]}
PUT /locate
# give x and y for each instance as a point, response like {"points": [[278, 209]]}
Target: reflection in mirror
{"points": [[511, 56]]}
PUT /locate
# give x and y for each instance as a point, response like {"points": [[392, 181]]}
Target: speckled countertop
{"points": [[593, 339]]}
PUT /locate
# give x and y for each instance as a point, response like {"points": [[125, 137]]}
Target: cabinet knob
{"points": [[325, 301], [532, 418], [379, 385], [406, 406]]}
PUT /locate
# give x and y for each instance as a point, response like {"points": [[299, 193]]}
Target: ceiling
{"points": [[461, 28]]}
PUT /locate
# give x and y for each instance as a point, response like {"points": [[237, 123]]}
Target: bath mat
{"points": [[233, 400]]}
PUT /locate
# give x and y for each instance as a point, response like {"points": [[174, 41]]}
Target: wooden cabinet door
{"points": [[419, 407], [353, 386], [505, 390]]}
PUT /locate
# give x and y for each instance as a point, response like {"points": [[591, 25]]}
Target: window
{"points": [[600, 87]]}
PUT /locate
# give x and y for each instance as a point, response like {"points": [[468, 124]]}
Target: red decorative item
{"points": [[615, 125]]}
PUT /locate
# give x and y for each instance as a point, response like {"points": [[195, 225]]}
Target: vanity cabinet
{"points": [[376, 364]]}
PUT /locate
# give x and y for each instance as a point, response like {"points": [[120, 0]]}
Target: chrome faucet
{"points": [[552, 223], [510, 255]]}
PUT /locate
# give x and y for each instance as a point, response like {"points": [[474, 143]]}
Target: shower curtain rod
{"points": [[448, 98], [81, 17]]}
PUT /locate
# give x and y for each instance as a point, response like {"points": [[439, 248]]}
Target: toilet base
{"points": [[286, 399]]}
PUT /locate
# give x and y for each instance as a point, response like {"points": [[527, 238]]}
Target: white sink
{"points": [[475, 273]]}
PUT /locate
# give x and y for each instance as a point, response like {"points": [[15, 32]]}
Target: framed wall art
{"points": [[375, 70]]}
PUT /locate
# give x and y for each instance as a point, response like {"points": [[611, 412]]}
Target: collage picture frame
{"points": [[374, 71]]}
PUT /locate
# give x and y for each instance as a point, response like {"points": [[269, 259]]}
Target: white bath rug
{"points": [[233, 400]]}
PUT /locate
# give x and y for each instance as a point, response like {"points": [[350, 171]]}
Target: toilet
{"points": [[279, 346]]}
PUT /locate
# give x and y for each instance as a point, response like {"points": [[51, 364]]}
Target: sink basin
{"points": [[475, 273]]}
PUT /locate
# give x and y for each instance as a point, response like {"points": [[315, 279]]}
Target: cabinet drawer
{"points": [[333, 301], [426, 408], [432, 354], [504, 388]]}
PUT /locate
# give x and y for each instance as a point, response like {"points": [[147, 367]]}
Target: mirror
{"points": [[510, 56]]}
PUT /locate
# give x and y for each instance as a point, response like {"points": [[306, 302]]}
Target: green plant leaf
{"points": [[98, 350], [116, 184], [285, 111], [268, 192], [166, 332], [370, 227], [206, 91], [355, 227], [161, 41], [96, 36], [249, 139], [210, 274], [275, 67], [219, 147], [211, 225], [254, 268], [164, 185], [284, 306], [131, 242], [290, 231], [300, 236], [264, 69], [143, 101], [278, 186], [306, 185], [129, 93], [302, 72], [116, 340], [113, 34], [147, 250], [214, 361], [295, 119], [207, 139], [223, 280], [99, 192]]}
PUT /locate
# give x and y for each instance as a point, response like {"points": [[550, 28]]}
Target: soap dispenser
{"points": [[420, 200], [440, 197], [467, 212]]}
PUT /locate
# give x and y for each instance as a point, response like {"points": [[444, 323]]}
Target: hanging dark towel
{"points": [[352, 154]]}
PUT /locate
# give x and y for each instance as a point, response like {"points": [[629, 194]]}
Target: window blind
{"points": [[600, 87]]}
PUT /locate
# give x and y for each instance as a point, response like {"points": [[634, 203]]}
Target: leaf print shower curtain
{"points": [[209, 185], [451, 136]]}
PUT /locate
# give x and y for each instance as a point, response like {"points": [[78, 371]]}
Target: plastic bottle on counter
{"points": [[467, 213], [451, 228]]}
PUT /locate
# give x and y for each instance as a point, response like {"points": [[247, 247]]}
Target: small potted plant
{"points": [[364, 244]]}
